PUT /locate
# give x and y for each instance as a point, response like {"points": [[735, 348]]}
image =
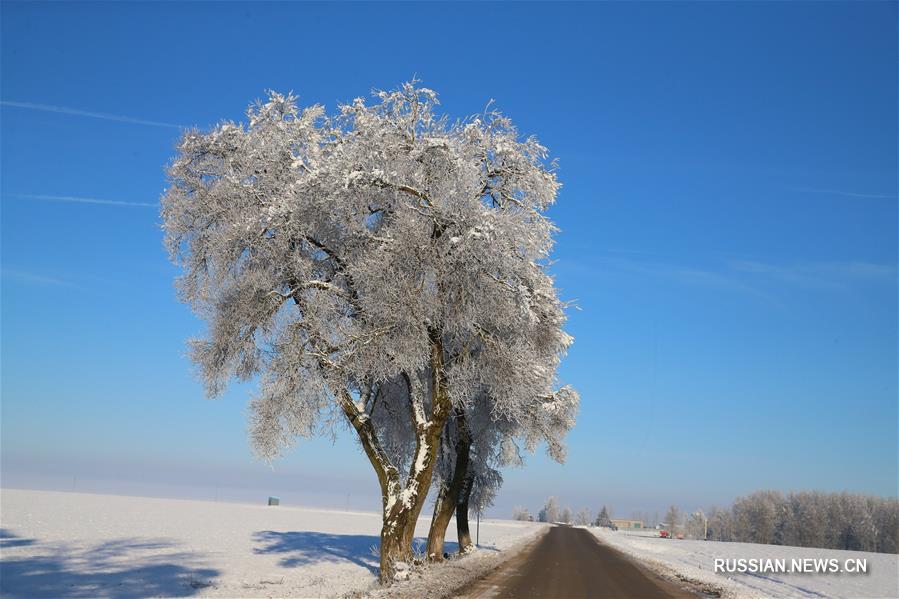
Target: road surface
{"points": [[570, 563]]}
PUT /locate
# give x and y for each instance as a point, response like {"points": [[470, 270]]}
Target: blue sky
{"points": [[728, 229]]}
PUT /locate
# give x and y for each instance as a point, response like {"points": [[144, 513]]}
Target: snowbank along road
{"points": [[570, 562]]}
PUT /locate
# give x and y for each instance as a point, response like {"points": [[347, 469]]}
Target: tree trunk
{"points": [[448, 497], [465, 543], [397, 534], [402, 504], [394, 550]]}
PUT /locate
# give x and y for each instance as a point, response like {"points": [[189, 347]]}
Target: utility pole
{"points": [[477, 541]]}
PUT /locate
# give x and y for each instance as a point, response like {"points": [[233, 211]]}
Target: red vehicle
{"points": [[664, 534]]}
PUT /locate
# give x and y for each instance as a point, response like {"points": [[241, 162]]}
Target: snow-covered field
{"points": [[694, 561], [80, 545]]}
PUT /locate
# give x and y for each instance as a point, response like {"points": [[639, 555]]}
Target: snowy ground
{"points": [[80, 545], [694, 561]]}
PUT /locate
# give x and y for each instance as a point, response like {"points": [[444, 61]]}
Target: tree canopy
{"points": [[379, 266]]}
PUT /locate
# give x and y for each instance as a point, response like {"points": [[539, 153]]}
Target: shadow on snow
{"points": [[119, 568], [303, 548], [8, 539]]}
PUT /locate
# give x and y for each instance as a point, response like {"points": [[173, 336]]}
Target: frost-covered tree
{"points": [[565, 516], [584, 517], [886, 522], [673, 518], [757, 516], [720, 525], [551, 511], [697, 525], [521, 513], [380, 266]]}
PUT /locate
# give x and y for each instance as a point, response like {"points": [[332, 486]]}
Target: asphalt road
{"points": [[569, 563]]}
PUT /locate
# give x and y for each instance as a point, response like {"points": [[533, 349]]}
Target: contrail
{"points": [[34, 278], [96, 115], [80, 200], [849, 194]]}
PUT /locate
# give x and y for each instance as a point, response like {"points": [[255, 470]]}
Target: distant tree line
{"points": [[849, 521], [552, 511], [803, 519], [521, 513]]}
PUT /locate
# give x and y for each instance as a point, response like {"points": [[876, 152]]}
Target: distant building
{"points": [[628, 524]]}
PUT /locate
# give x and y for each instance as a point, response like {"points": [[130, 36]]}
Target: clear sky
{"points": [[728, 229]]}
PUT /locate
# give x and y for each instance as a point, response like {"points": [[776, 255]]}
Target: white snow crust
{"points": [[81, 545], [693, 561]]}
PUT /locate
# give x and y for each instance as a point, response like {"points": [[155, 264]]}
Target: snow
{"points": [[81, 545], [694, 561]]}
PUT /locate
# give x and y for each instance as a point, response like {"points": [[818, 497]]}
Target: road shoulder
{"points": [[452, 577], [658, 570]]}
